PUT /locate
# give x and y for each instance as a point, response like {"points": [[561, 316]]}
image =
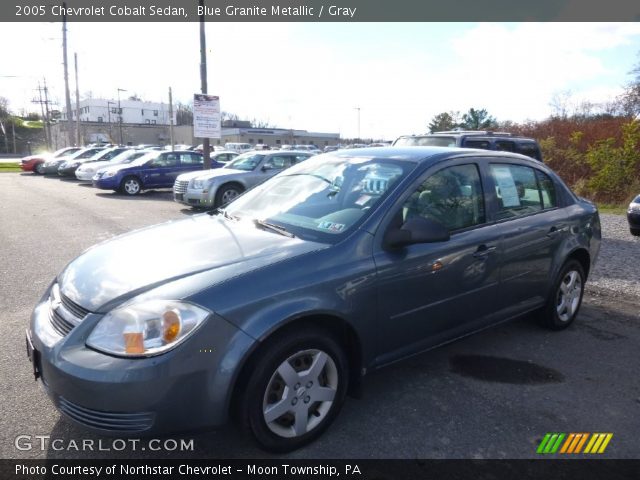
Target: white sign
{"points": [[507, 186], [206, 116]]}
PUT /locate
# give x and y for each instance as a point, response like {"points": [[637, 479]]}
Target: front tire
{"points": [[296, 390], [39, 169], [130, 186], [227, 194], [635, 231], [566, 297]]}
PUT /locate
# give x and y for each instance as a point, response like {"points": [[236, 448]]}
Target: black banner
{"points": [[581, 469], [320, 10]]}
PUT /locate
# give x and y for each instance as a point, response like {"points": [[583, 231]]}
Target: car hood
{"points": [[131, 264], [117, 168], [219, 172], [93, 166]]}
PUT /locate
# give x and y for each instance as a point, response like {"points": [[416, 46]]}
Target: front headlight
{"points": [[199, 184], [634, 207], [147, 328], [108, 174], [72, 165]]}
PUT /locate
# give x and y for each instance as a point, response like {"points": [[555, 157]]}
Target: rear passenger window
{"points": [[529, 149], [483, 144], [516, 190], [547, 190], [453, 196], [505, 146]]}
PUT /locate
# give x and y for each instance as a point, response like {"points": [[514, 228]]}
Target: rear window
{"points": [[529, 149], [425, 142], [482, 144]]}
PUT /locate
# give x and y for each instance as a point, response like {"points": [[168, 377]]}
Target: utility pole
{"points": [[46, 109], [78, 142], [203, 82], [358, 109], [44, 119], [66, 75], [109, 116], [171, 120], [120, 114]]}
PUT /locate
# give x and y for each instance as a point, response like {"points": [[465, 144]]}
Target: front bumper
{"points": [[194, 198], [111, 183], [67, 172], [634, 219], [85, 176], [184, 389]]}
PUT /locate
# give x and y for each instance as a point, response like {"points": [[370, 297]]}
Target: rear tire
{"points": [[130, 186], [565, 298], [295, 389]]}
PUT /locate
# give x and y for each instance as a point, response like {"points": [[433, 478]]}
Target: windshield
{"points": [[425, 142], [126, 156], [322, 198], [246, 161], [64, 152], [145, 158]]}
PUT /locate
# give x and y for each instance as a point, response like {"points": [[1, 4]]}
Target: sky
{"points": [[381, 79]]}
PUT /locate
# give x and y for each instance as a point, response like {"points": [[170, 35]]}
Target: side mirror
{"points": [[266, 168], [416, 230]]}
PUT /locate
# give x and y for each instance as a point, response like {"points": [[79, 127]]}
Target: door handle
{"points": [[483, 251], [554, 231]]}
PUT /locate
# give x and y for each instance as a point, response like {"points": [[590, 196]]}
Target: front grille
{"points": [[180, 186], [64, 313], [61, 326], [73, 307], [112, 421]]}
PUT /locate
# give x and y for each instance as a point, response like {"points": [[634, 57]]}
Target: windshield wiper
{"points": [[273, 228], [311, 175], [223, 212]]}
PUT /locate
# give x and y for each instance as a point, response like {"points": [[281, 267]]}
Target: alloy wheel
{"points": [[569, 294]]}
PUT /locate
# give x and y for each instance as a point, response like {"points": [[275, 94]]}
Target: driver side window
{"points": [[452, 196]]}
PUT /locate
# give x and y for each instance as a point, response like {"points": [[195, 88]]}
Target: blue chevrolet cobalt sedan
{"points": [[272, 309]]}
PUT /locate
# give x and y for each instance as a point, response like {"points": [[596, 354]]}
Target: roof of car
{"points": [[470, 133], [425, 154]]}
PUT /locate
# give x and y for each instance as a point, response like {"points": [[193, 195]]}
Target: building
{"points": [[133, 112]]}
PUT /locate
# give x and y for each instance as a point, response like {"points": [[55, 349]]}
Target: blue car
{"points": [[156, 169]]}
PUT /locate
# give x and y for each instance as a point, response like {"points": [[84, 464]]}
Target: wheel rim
{"points": [[229, 195], [569, 294], [39, 168], [131, 187], [300, 393]]}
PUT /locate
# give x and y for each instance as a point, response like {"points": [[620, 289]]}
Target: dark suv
{"points": [[501, 141]]}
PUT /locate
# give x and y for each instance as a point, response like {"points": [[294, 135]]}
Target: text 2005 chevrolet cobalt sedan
{"points": [[272, 309]]}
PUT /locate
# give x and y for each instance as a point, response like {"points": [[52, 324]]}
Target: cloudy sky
{"points": [[315, 76]]}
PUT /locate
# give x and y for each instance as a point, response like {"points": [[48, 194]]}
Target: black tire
{"points": [[39, 169], [635, 231], [227, 193], [568, 288], [130, 186], [303, 403]]}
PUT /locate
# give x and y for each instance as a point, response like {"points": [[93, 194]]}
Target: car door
{"points": [[532, 228], [189, 162], [269, 166], [431, 292], [156, 173]]}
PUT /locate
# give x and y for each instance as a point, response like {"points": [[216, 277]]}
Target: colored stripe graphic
{"points": [[556, 443]]}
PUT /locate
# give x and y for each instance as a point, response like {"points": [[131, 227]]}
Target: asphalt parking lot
{"points": [[492, 395]]}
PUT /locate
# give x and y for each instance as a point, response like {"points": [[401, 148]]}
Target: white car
{"points": [[86, 171]]}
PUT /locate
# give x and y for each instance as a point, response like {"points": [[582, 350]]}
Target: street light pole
{"points": [[203, 82], [120, 115], [358, 109], [109, 119]]}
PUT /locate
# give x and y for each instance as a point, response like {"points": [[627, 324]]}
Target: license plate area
{"points": [[34, 357]]}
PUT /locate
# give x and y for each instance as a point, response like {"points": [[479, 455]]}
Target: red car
{"points": [[34, 163]]}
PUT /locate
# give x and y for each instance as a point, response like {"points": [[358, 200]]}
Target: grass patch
{"points": [[612, 208], [9, 167]]}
